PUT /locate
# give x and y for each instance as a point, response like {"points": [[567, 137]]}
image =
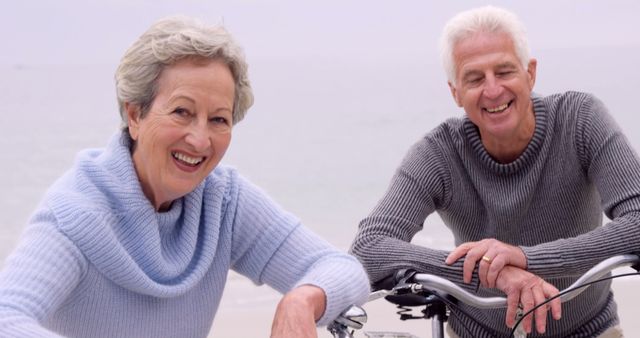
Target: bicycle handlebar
{"points": [[598, 271], [443, 288], [437, 284], [440, 285]]}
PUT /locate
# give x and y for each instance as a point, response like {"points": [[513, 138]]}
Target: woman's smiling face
{"points": [[186, 131]]}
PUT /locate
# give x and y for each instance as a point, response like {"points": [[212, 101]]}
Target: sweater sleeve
{"points": [[306, 259], [420, 185], [37, 278], [271, 246], [614, 167]]}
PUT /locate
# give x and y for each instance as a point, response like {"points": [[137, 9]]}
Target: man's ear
{"points": [[531, 70], [454, 93], [133, 119]]}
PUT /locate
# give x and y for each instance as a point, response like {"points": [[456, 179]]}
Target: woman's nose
{"points": [[199, 137]]}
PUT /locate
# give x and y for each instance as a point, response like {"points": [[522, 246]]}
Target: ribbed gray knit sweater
{"points": [[549, 201]]}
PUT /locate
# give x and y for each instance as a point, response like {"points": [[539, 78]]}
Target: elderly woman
{"points": [[137, 238]]}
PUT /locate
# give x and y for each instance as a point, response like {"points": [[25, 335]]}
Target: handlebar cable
{"points": [[513, 330]]}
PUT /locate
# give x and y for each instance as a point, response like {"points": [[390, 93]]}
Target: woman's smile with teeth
{"points": [[187, 159], [498, 108]]}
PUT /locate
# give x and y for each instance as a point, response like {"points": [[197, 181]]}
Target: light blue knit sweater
{"points": [[98, 261]]}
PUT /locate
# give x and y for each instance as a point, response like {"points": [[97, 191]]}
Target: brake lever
{"points": [[399, 290], [398, 283], [380, 294]]}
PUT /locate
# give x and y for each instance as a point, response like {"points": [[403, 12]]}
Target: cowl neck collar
{"points": [[100, 206]]}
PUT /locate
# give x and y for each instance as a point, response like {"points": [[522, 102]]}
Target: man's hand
{"points": [[298, 311], [491, 255], [523, 287]]}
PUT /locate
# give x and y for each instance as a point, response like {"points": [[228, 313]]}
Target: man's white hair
{"points": [[486, 19]]}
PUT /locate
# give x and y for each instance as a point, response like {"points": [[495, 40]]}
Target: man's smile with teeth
{"points": [[498, 108], [187, 159]]}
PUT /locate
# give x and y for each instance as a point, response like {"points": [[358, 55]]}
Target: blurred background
{"points": [[342, 89]]}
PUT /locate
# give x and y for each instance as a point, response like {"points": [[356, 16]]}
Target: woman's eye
{"points": [[220, 124], [218, 120], [181, 112]]}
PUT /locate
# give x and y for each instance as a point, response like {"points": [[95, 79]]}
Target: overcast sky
{"points": [[90, 32]]}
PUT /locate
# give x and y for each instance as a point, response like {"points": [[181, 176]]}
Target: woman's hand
{"points": [[491, 255], [523, 287], [298, 311]]}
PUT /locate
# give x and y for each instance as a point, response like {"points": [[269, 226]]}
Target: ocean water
{"points": [[322, 138]]}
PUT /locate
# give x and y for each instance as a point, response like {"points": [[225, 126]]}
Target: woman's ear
{"points": [[133, 119]]}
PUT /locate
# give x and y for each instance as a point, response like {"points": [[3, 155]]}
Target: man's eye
{"points": [[474, 80]]}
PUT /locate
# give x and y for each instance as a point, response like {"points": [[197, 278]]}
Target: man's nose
{"points": [[492, 87]]}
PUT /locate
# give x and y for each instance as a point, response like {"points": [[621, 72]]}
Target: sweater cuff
{"points": [[340, 293], [544, 262]]}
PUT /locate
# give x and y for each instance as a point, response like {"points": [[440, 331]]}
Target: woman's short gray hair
{"points": [[167, 41], [486, 19]]}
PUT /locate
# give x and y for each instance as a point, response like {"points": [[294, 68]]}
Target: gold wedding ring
{"points": [[486, 259]]}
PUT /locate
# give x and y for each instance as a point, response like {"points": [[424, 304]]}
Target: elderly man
{"points": [[521, 180]]}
